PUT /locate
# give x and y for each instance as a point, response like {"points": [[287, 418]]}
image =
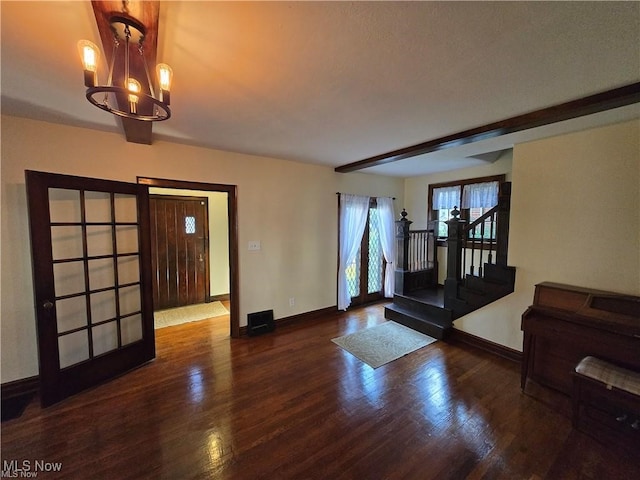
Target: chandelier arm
{"points": [[116, 44], [127, 35], [146, 69]]}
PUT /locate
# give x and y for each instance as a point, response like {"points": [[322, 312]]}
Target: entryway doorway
{"points": [[179, 250], [202, 270]]}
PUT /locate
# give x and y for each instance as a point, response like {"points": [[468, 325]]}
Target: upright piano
{"points": [[567, 323]]}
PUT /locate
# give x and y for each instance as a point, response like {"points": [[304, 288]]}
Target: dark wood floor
{"points": [[293, 405]]}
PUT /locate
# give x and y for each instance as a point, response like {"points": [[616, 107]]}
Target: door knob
{"points": [[200, 258], [47, 305]]}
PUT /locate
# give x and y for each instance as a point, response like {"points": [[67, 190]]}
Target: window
{"points": [[473, 197], [189, 225]]}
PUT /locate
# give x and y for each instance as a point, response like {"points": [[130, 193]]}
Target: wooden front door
{"points": [[92, 280], [179, 250]]}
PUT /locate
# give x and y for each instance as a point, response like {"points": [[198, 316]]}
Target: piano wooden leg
{"points": [[526, 355]]}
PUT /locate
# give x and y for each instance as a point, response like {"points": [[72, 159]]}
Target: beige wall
{"points": [[574, 220], [218, 235], [290, 207]]}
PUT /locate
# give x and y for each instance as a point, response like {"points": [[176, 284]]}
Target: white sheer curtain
{"points": [[480, 195], [387, 239], [354, 211], [446, 197]]}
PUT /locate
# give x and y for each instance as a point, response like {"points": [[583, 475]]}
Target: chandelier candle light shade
{"points": [[128, 100]]}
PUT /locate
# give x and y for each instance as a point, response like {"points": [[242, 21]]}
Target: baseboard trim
{"points": [[301, 317], [219, 298], [20, 387], [458, 336]]}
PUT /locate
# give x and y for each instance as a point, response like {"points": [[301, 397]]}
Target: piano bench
{"points": [[606, 402]]}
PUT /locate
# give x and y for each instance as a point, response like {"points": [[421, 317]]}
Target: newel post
{"points": [[454, 255], [402, 251], [502, 235]]}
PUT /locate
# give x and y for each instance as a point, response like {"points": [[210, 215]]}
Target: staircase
{"points": [[426, 315], [477, 270]]}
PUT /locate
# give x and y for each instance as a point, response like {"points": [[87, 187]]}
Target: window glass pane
{"points": [[97, 206], [99, 240], [444, 215], [103, 306], [105, 338], [474, 214], [73, 348], [131, 329], [189, 225], [64, 205], [353, 276], [129, 299], [375, 253], [128, 270], [68, 278], [71, 313], [101, 273], [126, 207], [66, 242], [127, 238]]}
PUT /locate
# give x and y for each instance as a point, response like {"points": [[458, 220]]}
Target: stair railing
{"points": [[416, 265], [422, 250], [477, 238], [463, 240]]}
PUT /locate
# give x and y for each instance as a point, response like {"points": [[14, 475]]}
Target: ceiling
{"points": [[333, 83]]}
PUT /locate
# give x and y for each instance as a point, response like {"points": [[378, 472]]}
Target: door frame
{"points": [[232, 213]]}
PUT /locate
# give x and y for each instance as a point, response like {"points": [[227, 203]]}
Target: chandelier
{"points": [[123, 95]]}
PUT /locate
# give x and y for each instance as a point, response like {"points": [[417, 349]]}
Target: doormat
{"points": [[383, 343], [190, 313], [14, 407]]}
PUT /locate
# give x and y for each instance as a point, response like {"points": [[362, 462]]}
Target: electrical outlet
{"points": [[292, 302], [254, 245]]}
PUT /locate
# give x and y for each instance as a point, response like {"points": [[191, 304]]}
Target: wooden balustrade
{"points": [[422, 252], [416, 257], [484, 241], [478, 239]]}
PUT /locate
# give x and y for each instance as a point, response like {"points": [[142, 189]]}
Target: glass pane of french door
{"points": [[95, 271], [353, 276], [375, 268], [365, 275]]}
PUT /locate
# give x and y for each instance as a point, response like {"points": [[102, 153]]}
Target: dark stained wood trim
{"points": [[20, 387], [219, 298], [617, 97], [458, 336], [234, 264], [307, 316], [327, 312]]}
